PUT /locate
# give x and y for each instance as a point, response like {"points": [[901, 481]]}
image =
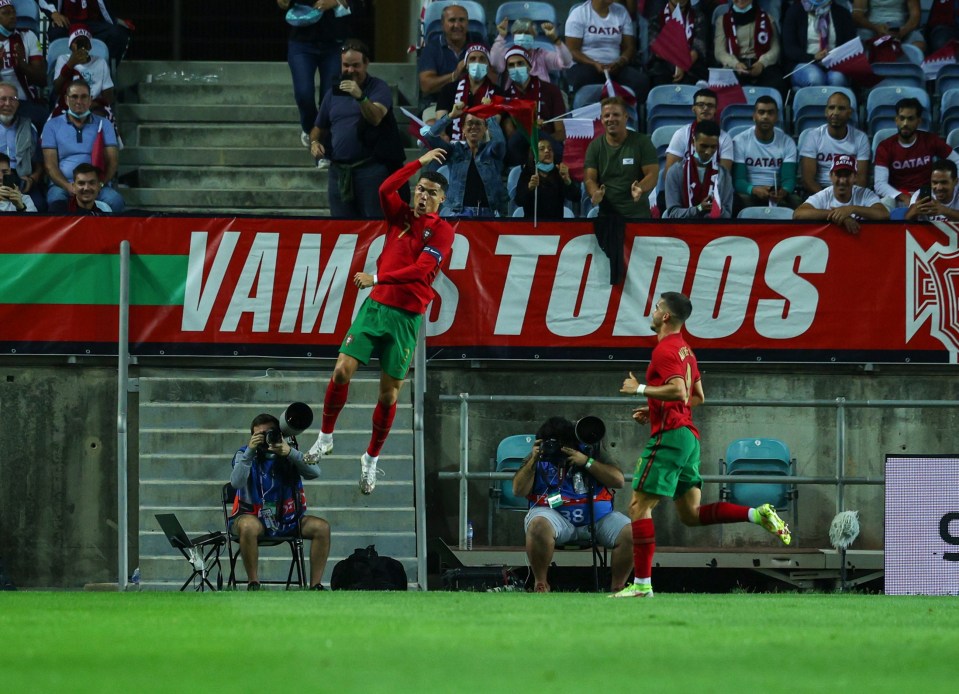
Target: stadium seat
{"points": [[881, 134], [567, 212], [661, 137], [510, 454], [736, 115], [881, 106], [948, 78], [512, 178], [60, 47], [953, 138], [28, 15], [900, 75], [202, 553], [669, 104], [759, 456], [737, 129], [765, 212], [539, 12], [295, 543], [433, 19], [949, 110], [913, 53], [809, 106]]}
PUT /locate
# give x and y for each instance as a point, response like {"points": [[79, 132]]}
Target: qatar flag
{"points": [[579, 133], [724, 82], [850, 59], [672, 45], [944, 56], [615, 89]]}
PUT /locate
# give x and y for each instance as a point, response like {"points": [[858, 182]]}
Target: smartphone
{"points": [[925, 192], [11, 180], [336, 86]]}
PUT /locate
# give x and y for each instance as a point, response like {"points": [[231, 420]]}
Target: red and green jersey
{"points": [[672, 358], [414, 250]]}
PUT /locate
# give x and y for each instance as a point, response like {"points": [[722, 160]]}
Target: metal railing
{"points": [[840, 480]]}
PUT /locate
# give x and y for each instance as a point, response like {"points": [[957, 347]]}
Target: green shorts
{"points": [[670, 464], [388, 331]]}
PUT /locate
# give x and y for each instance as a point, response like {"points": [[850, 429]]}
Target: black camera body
{"points": [[271, 437], [550, 448]]}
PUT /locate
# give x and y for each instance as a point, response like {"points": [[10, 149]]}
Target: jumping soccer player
{"points": [[417, 243], [669, 466]]}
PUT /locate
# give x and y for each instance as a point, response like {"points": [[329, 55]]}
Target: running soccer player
{"points": [[669, 466], [417, 243]]}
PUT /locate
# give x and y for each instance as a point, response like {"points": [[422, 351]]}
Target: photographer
{"points": [[270, 500], [557, 477]]}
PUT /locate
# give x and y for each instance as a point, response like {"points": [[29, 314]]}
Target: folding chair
{"points": [[881, 106], [295, 543], [760, 456], [28, 15], [765, 212], [510, 454], [900, 75], [202, 552], [809, 106]]}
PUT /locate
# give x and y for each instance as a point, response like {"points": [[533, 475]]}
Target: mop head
{"points": [[844, 529]]}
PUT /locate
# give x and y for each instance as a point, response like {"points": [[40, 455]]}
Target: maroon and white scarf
{"points": [[695, 190], [470, 98], [762, 34], [17, 40], [533, 92]]}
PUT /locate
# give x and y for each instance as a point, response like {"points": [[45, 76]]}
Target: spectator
{"points": [[896, 18], [542, 61], [691, 188], [22, 64], [270, 500], [843, 203], [312, 49], [765, 160], [696, 26], [69, 139], [11, 198], [549, 104], [681, 143], [811, 28], [63, 14], [20, 142], [83, 202], [937, 203], [601, 36], [621, 167], [818, 147], [471, 89], [745, 40], [81, 64], [545, 188], [359, 102], [942, 25], [558, 466], [443, 58], [475, 165], [904, 161]]}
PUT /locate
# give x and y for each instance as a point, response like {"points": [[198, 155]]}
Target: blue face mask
{"points": [[78, 116], [6, 33], [742, 10], [342, 11], [519, 75], [544, 167], [478, 70], [524, 41]]}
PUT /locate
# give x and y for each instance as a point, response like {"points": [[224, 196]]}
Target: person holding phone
{"points": [[936, 202], [11, 199]]}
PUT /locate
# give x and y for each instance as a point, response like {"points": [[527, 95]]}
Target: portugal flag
{"points": [[522, 112]]}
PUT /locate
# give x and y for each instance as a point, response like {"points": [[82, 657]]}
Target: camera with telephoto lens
{"points": [[550, 448]]}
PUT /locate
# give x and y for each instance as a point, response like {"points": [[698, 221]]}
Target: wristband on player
{"points": [[640, 388], [374, 279]]}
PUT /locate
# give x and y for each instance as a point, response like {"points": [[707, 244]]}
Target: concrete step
{"points": [[237, 198], [191, 111], [223, 177], [272, 390], [185, 441], [232, 135], [199, 521], [226, 95], [232, 417], [287, 152], [389, 491]]}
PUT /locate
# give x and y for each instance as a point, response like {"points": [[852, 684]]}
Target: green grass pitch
{"points": [[275, 641]]}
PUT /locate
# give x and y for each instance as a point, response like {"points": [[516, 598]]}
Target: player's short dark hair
{"points": [[679, 305], [709, 128], [946, 165], [709, 93], [264, 418], [85, 168], [4, 158], [558, 428], [910, 102], [435, 177], [766, 100]]}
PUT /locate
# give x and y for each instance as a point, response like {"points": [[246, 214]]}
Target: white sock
{"points": [[325, 439], [370, 459], [643, 581], [753, 516]]}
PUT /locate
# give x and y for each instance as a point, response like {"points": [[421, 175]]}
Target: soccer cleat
{"points": [[322, 448], [253, 586], [770, 520], [322, 164], [304, 139], [368, 474], [634, 590]]}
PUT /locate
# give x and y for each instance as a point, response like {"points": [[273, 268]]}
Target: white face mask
{"points": [[78, 116], [524, 41], [519, 74], [342, 10], [478, 70]]}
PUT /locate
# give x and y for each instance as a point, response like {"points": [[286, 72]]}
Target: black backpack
{"points": [[367, 570]]}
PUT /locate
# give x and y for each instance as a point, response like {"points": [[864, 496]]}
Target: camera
{"points": [[550, 448]]}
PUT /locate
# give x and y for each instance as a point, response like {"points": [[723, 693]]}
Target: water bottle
{"points": [[469, 535], [135, 579]]}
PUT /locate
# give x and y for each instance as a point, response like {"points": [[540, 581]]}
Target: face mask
{"points": [[544, 167], [519, 74], [478, 70], [524, 41], [78, 116], [701, 161], [5, 32], [342, 11], [742, 10]]}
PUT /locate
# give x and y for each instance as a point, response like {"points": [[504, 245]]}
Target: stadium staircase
{"points": [[191, 423], [224, 138]]}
